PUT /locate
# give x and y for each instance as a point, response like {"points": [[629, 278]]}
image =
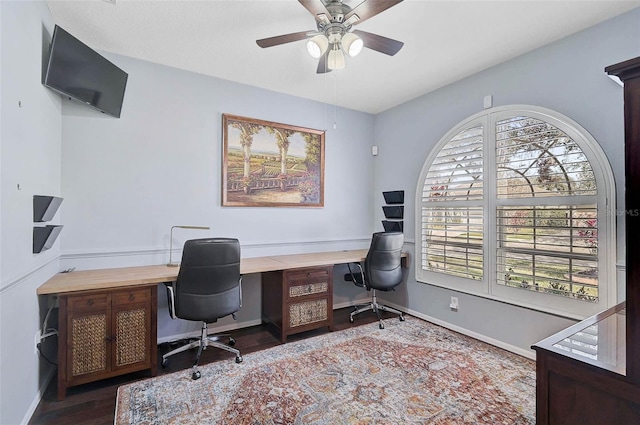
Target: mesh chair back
{"points": [[382, 267], [208, 283]]}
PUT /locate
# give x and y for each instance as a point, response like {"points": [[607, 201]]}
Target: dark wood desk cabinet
{"points": [[105, 333], [581, 375], [298, 300]]}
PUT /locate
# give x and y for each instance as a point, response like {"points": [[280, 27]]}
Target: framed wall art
{"points": [[268, 164]]}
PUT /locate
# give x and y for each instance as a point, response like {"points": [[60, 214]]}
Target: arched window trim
{"points": [[488, 287]]}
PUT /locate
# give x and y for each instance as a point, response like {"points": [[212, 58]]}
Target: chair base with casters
{"points": [[202, 343], [376, 309], [358, 279]]}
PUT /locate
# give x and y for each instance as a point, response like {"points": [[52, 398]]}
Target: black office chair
{"points": [[208, 288], [382, 271]]}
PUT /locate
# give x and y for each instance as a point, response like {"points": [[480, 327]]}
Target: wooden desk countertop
{"points": [[152, 275]]}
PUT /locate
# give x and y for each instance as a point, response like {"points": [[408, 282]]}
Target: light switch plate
{"points": [[487, 102]]}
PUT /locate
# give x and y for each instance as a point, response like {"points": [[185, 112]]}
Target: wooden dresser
{"points": [[298, 300], [589, 373]]}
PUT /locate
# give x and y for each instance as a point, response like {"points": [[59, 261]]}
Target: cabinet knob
{"points": [[132, 297], [89, 302]]}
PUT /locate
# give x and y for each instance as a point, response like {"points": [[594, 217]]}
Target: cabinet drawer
{"points": [[307, 312], [133, 296], [308, 289], [316, 274], [307, 282], [88, 302]]}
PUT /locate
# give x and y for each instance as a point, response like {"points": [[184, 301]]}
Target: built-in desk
{"points": [[145, 275], [107, 318]]}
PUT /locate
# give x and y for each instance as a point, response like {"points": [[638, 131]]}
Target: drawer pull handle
{"points": [[89, 302], [132, 297]]}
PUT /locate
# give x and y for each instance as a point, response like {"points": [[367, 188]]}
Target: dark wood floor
{"points": [[94, 403]]}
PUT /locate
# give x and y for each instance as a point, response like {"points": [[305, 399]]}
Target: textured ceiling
{"points": [[444, 41]]}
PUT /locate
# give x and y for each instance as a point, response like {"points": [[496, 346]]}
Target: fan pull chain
{"points": [[326, 100], [335, 98]]}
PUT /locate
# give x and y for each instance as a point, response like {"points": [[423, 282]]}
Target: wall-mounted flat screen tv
{"points": [[81, 73]]}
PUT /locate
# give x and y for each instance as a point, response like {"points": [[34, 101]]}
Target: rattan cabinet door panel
{"points": [[87, 344], [131, 348], [88, 326]]}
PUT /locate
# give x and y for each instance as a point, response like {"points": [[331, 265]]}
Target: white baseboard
{"points": [[351, 303], [530, 354], [36, 400]]}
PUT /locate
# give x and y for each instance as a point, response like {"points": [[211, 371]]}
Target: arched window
{"points": [[518, 204]]}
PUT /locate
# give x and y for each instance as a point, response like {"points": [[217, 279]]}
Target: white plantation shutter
{"points": [[452, 213], [548, 246], [536, 159], [514, 204]]}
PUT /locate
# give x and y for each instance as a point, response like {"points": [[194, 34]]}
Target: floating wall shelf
{"points": [[44, 237], [394, 210], [44, 209]]}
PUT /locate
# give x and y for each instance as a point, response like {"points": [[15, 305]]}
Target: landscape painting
{"points": [[268, 164]]}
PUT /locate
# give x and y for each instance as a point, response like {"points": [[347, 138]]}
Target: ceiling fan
{"points": [[335, 34]]}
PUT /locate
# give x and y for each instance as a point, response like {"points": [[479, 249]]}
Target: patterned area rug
{"points": [[411, 372]]}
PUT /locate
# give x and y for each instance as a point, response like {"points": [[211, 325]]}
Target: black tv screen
{"points": [[77, 71]]}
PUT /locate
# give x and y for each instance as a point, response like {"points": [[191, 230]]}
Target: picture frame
{"points": [[270, 164]]}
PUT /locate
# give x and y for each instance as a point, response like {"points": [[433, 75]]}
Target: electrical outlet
{"points": [[454, 303], [36, 341]]}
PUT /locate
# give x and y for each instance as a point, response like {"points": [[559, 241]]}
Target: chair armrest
{"points": [[171, 299], [358, 277], [240, 283]]}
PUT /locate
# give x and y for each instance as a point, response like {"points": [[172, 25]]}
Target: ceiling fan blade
{"points": [[323, 64], [379, 43], [370, 8], [316, 7], [282, 39]]}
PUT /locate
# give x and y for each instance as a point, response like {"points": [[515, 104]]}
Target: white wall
{"points": [[30, 165], [567, 76], [127, 181]]}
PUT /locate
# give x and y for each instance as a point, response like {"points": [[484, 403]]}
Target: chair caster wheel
{"points": [[381, 326], [239, 359], [402, 318], [196, 375], [350, 319], [165, 363], [232, 342]]}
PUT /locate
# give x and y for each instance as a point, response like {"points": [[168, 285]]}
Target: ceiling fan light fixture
{"points": [[352, 44], [335, 59], [317, 45]]}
